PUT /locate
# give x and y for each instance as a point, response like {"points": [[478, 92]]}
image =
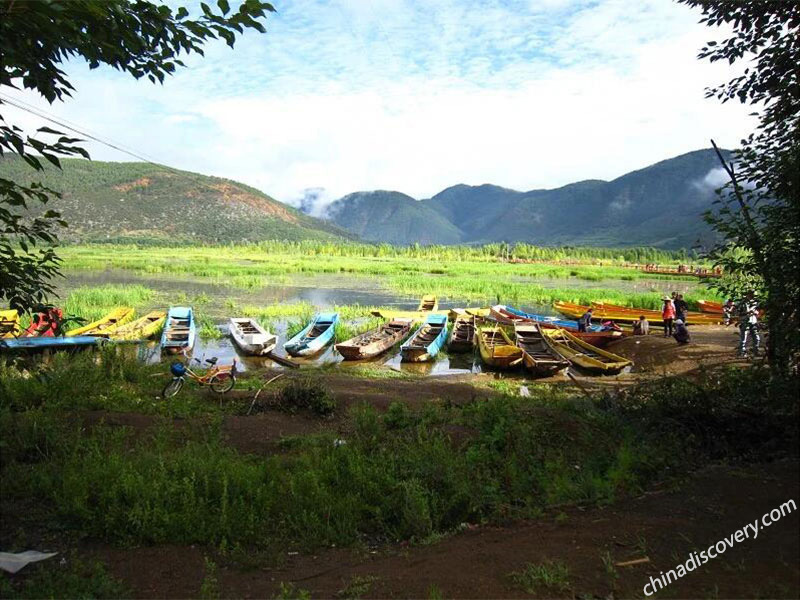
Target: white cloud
{"points": [[414, 96]]}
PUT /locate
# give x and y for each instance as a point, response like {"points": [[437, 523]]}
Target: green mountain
{"points": [[146, 202], [392, 217], [660, 205]]}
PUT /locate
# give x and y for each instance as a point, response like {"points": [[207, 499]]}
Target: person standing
{"points": [[668, 315], [585, 321], [727, 311], [681, 308], [748, 324]]}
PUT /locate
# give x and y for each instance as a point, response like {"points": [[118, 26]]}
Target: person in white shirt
{"points": [[748, 324]]}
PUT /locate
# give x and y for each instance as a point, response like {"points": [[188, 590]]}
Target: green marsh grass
{"points": [[454, 272]]}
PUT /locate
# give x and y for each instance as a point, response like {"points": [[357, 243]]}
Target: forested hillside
{"points": [[660, 205], [146, 202]]}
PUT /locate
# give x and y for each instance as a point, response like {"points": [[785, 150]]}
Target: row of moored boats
{"points": [[504, 336]]}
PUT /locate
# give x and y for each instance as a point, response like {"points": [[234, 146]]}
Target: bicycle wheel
{"points": [[222, 383], [172, 388]]}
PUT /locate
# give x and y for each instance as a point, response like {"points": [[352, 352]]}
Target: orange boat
{"points": [[710, 307]]}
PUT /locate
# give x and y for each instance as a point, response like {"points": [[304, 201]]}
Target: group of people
{"points": [[674, 312]]}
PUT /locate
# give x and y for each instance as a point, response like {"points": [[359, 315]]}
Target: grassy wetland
{"points": [[462, 274]]}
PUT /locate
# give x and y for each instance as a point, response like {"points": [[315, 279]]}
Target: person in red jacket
{"points": [[668, 315]]}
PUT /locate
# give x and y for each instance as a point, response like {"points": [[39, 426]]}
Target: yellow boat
{"points": [[480, 313], [428, 303], [142, 328], [583, 354], [414, 315], [497, 349], [624, 314], [9, 324], [107, 324]]}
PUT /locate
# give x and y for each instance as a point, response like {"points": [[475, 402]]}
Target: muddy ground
{"points": [[662, 526]]}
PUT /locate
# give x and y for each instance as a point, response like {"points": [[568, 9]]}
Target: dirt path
{"points": [[663, 525]]}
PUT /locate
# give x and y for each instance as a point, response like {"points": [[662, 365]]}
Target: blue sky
{"points": [[416, 96]]}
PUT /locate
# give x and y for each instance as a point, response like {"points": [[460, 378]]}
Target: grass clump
{"points": [[307, 393], [552, 575], [55, 579]]}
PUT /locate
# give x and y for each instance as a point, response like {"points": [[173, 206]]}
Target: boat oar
{"points": [[282, 360]]}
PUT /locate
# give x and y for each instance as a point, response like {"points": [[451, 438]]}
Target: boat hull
{"points": [[142, 328], [497, 350], [428, 340], [584, 355], [179, 331], [250, 337], [376, 342], [9, 324], [540, 359], [106, 324], [314, 337], [462, 338], [43, 343]]}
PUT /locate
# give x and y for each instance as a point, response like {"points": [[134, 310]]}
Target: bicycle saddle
{"points": [[212, 361]]}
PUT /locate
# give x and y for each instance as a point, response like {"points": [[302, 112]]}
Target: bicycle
{"points": [[220, 379]]}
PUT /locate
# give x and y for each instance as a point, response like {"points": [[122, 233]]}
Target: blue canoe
{"points": [[564, 323], [41, 343], [427, 341], [314, 336], [179, 329]]}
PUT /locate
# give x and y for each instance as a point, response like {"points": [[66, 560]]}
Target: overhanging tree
{"points": [[141, 38], [758, 212]]}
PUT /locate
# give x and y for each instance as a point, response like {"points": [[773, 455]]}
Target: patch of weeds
{"points": [[561, 518], [357, 587], [56, 579], [209, 589], [307, 393], [435, 593], [610, 568], [553, 575], [287, 591], [398, 416]]}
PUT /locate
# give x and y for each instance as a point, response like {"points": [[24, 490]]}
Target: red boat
{"points": [[599, 338], [44, 324]]}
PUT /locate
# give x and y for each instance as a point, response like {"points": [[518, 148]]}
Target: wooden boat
{"points": [[427, 341], [462, 337], [496, 348], [710, 307], [105, 325], [376, 341], [597, 335], [9, 324], [53, 343], [180, 329], [251, 337], [428, 303], [583, 354], [415, 316], [539, 357], [479, 313], [44, 324], [142, 328], [314, 336], [623, 314]]}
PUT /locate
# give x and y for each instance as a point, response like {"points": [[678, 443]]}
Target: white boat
{"points": [[251, 337]]}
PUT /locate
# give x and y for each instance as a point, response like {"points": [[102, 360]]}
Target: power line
{"points": [[24, 106]]}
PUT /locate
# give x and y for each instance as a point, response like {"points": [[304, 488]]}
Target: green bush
{"points": [[307, 393]]}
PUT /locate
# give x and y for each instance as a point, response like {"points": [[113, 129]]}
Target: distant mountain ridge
{"points": [[660, 205], [134, 201]]}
